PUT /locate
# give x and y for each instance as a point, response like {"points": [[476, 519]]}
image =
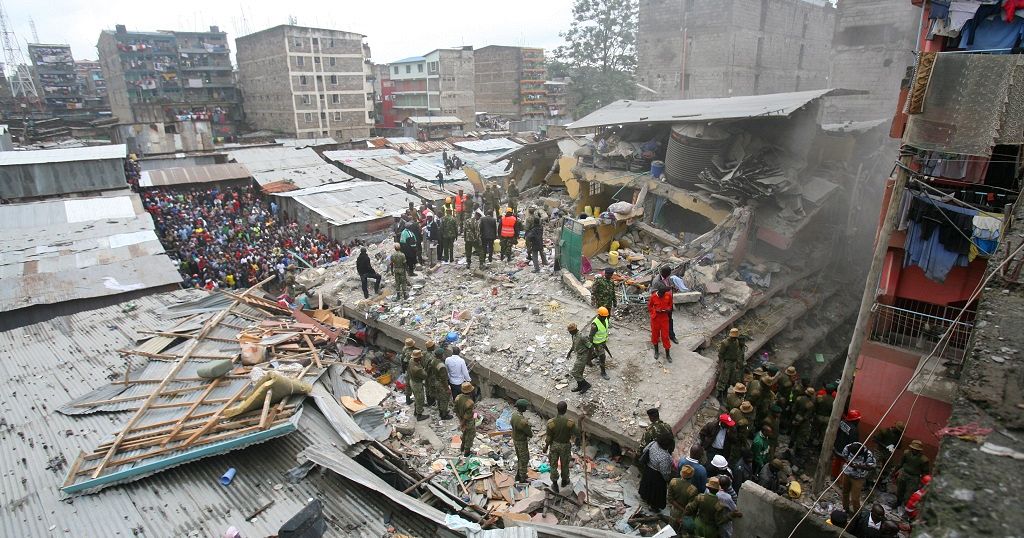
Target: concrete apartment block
{"points": [[733, 47], [307, 82], [874, 43], [439, 83]]}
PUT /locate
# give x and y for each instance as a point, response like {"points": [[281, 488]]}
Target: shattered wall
{"points": [[767, 515]]}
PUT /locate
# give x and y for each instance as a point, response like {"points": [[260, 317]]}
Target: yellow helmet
{"points": [[508, 209], [448, 200], [602, 311]]}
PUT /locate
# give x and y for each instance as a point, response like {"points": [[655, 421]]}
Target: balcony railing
{"points": [[921, 326]]}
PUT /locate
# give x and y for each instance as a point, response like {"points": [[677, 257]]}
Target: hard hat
{"points": [[508, 209], [448, 200], [602, 311], [852, 415], [926, 479]]}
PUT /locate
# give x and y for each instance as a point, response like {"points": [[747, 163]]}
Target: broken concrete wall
{"points": [[767, 515]]}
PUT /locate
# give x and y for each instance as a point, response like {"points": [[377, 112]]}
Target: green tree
{"points": [[600, 53]]}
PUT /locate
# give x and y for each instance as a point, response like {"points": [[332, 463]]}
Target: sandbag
{"points": [[215, 369], [278, 385]]}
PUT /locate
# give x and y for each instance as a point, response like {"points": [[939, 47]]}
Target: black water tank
{"points": [[690, 150]]}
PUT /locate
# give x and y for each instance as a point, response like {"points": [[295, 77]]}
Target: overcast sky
{"points": [[395, 29]]}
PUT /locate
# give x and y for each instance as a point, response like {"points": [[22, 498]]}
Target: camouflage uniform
{"points": [[404, 358], [680, 493], [731, 355], [582, 350], [464, 410], [417, 378], [521, 434], [560, 431], [449, 231], [655, 430], [399, 272], [709, 515], [472, 237], [513, 197], [802, 413], [442, 390], [604, 293]]}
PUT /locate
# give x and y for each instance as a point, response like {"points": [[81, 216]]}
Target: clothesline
{"points": [[946, 197]]}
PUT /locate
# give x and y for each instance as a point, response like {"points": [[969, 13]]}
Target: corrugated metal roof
{"points": [[625, 112], [435, 120], [42, 156], [386, 169], [193, 174], [353, 201], [349, 154], [428, 166], [303, 177], [409, 59], [266, 158], [491, 144], [61, 250], [305, 142]]}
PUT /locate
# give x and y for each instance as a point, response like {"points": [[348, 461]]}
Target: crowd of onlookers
{"points": [[234, 237]]}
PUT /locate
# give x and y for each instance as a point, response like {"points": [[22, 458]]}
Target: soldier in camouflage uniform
{"points": [[731, 356], [449, 231], [604, 291], [773, 420], [560, 432], [709, 514], [513, 196], [521, 434], [398, 271], [735, 395], [492, 200], [441, 389], [472, 237], [417, 379], [429, 361], [467, 423], [913, 465], [680, 493], [802, 421], [657, 428], [404, 358], [582, 350], [822, 412]]}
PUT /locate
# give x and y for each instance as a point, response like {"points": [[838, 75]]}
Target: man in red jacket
{"points": [[660, 308]]}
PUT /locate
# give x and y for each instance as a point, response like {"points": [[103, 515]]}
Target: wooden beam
{"points": [[265, 414], [312, 349], [210, 324], [212, 421]]}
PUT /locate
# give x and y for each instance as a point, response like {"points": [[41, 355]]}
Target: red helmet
{"points": [[926, 479], [852, 415]]}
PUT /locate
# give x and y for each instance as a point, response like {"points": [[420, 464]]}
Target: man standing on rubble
{"points": [[509, 231], [417, 377], [449, 231], [460, 206], [521, 434], [560, 432], [366, 273], [535, 239], [731, 356], [429, 362], [409, 246], [657, 428], [488, 233], [399, 271], [599, 338], [471, 234], [404, 359], [439, 380], [581, 347], [458, 372], [513, 196], [659, 306], [492, 200], [467, 422], [604, 290]]}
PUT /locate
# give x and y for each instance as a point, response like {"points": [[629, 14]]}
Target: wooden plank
{"points": [[216, 416], [164, 427], [100, 403], [186, 335], [170, 375], [312, 349], [265, 413], [190, 410]]}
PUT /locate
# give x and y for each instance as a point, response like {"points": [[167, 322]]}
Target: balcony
{"points": [[918, 327]]}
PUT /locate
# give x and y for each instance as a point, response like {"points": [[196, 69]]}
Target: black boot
{"points": [[657, 351], [668, 356], [446, 416], [604, 373], [584, 386]]}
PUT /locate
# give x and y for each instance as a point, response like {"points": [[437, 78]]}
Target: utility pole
{"points": [[32, 26], [867, 300]]}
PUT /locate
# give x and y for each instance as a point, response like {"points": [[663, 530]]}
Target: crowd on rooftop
{"points": [[234, 237]]}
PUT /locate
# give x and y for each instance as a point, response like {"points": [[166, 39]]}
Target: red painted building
{"points": [[961, 181]]}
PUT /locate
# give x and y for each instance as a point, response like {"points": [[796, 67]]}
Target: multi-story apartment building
{"points": [[725, 48], [307, 82], [439, 83], [90, 76], [512, 81], [166, 77], [559, 105], [948, 199], [56, 80]]}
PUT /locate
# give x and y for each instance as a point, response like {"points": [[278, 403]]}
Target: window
{"points": [[396, 69], [334, 78], [324, 133], [408, 69], [331, 44], [595, 188], [323, 97], [432, 67], [320, 80], [332, 61], [316, 59], [298, 43], [302, 80], [305, 99], [335, 98], [337, 116], [300, 61], [419, 68], [316, 41], [308, 117], [323, 115]]}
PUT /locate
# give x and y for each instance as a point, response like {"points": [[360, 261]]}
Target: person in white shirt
{"points": [[458, 372]]}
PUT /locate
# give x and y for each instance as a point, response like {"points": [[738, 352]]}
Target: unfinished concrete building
{"points": [[723, 48], [307, 82], [439, 83], [873, 46], [510, 81], [158, 77]]}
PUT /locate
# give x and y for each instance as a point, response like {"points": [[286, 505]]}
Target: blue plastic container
{"points": [[657, 169]]}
